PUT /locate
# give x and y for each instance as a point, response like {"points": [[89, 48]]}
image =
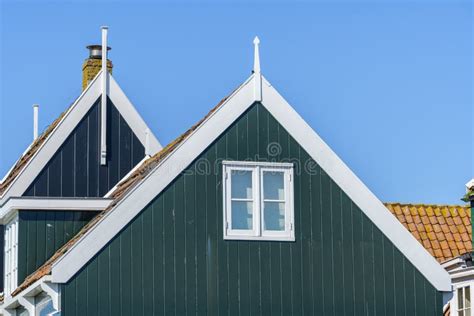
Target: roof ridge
{"points": [[426, 204]]}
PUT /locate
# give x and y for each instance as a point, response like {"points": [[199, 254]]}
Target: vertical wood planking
{"points": [[44, 232], [174, 256], [75, 170], [379, 270], [147, 262], [179, 240], [168, 253], [337, 250], [348, 253]]}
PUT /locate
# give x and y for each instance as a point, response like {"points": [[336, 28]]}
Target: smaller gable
{"points": [[40, 153]]}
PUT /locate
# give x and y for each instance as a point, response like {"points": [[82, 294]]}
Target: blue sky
{"points": [[387, 84]]}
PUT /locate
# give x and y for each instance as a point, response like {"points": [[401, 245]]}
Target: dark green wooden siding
{"points": [[75, 169], [41, 233], [172, 259]]}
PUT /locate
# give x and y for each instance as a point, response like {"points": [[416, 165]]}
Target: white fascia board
{"points": [[355, 188], [69, 122], [137, 166], [453, 262], [467, 272], [196, 143], [140, 196], [52, 204], [57, 137], [131, 116]]}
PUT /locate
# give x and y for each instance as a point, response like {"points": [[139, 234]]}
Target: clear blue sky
{"points": [[387, 84]]}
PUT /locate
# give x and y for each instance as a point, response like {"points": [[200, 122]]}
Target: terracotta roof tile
{"points": [[446, 231]]}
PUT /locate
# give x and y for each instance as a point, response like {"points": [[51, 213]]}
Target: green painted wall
{"points": [[172, 259], [41, 233]]}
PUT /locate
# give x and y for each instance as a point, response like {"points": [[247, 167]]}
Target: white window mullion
{"points": [[258, 203]]}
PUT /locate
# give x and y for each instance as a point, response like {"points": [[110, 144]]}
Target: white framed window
{"points": [[11, 256], [258, 201], [463, 301]]}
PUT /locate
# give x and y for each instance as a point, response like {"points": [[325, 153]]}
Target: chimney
{"points": [[93, 64]]}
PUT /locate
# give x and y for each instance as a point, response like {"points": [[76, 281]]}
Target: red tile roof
{"points": [[444, 230]]}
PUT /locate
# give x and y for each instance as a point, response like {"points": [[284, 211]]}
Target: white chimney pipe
{"points": [[103, 102], [35, 121]]}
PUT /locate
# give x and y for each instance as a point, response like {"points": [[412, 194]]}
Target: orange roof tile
{"points": [[446, 230]]}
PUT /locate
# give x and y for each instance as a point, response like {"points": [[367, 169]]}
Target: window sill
{"points": [[260, 238]]}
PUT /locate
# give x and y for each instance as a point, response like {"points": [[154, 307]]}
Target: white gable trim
{"points": [[355, 189], [67, 124], [137, 199], [131, 116]]}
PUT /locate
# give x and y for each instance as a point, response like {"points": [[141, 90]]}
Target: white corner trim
{"points": [[70, 120], [53, 204], [195, 144], [132, 117]]}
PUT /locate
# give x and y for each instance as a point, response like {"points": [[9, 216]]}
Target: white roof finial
{"points": [[257, 89], [256, 60]]}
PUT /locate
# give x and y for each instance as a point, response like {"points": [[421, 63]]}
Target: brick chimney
{"points": [[92, 65]]}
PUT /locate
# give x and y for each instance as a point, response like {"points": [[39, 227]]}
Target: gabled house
{"points": [[247, 212]]}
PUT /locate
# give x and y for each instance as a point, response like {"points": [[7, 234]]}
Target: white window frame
{"points": [[455, 305], [257, 169], [11, 256]]}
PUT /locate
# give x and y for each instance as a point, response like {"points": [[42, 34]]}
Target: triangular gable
{"points": [[46, 146], [183, 153]]}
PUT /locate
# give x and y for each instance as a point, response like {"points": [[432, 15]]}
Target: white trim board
{"points": [[137, 199], [53, 204], [67, 124], [42, 285]]}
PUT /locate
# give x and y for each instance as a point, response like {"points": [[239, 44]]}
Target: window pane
{"points": [[467, 294], [274, 216], [241, 184], [273, 188], [460, 299], [242, 215]]}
